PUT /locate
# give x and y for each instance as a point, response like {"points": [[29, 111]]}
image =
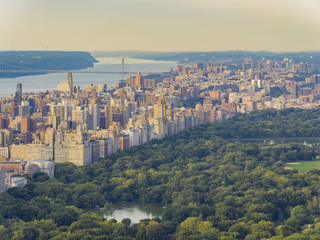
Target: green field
{"points": [[305, 165]]}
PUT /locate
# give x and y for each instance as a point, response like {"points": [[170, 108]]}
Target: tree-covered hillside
{"points": [[43, 60], [213, 57], [212, 188]]}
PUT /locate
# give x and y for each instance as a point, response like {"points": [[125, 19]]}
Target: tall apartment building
{"points": [[33, 151], [4, 152], [106, 147], [24, 108], [28, 124], [74, 146], [124, 141], [79, 116], [160, 108], [119, 111], [160, 118], [94, 111], [138, 82], [62, 110], [5, 137]]}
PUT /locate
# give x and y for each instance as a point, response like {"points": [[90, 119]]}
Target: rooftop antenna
{"points": [[122, 72]]}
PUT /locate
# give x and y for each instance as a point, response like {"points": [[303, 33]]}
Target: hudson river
{"points": [[41, 83]]}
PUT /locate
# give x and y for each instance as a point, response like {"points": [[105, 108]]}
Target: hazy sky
{"points": [[160, 25]]}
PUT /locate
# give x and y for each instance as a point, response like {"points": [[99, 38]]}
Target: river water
{"points": [[44, 82]]}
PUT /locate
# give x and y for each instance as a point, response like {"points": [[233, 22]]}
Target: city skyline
{"points": [[160, 25]]}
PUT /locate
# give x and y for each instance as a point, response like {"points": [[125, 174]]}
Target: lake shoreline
{"points": [[135, 211]]}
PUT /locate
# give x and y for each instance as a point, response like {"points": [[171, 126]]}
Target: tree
{"points": [[3, 233], [284, 231], [126, 222], [241, 229], [28, 233], [299, 217], [40, 177], [154, 230]]}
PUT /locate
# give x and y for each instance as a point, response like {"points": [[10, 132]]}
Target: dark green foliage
{"points": [[40, 177], [212, 188], [191, 103], [276, 92], [288, 123]]}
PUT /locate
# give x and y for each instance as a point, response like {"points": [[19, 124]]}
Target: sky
{"points": [[160, 25]]}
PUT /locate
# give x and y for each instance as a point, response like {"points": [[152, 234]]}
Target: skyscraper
{"points": [[18, 95], [243, 66], [160, 108], [184, 70], [199, 66], [119, 111], [139, 81], [70, 81], [94, 110]]}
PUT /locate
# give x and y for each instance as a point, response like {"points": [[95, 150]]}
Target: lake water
{"points": [[44, 82], [134, 211]]}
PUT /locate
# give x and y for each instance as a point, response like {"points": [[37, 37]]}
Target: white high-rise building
{"points": [[94, 110]]}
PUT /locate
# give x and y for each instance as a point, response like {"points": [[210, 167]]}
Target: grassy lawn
{"points": [[305, 165]]}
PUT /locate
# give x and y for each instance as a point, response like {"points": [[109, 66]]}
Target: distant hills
{"points": [[43, 60], [211, 57]]}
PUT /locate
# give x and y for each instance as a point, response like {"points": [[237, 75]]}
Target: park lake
{"points": [[133, 211]]}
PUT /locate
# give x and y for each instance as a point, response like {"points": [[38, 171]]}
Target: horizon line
{"points": [[153, 51]]}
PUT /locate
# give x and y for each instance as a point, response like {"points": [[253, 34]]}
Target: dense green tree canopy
{"points": [[212, 188]]}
